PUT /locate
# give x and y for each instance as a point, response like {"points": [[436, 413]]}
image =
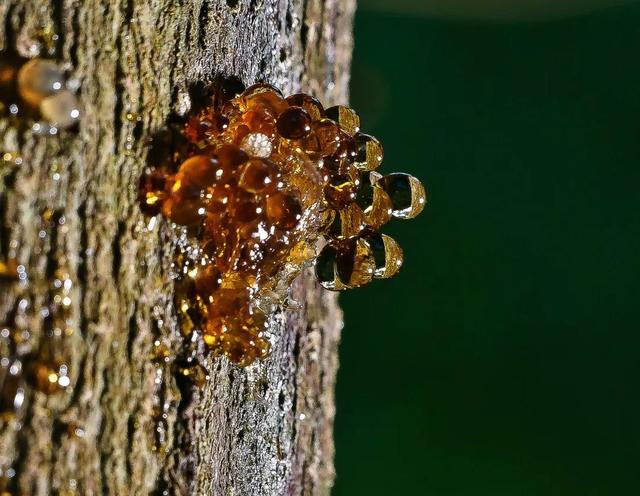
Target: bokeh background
{"points": [[504, 359]]}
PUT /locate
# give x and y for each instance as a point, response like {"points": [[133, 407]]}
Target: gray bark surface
{"points": [[129, 423]]}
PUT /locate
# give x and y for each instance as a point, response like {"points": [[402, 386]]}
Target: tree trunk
{"points": [[129, 422]]}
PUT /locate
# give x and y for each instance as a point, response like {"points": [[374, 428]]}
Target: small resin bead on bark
{"points": [[35, 89], [38, 79], [61, 109], [9, 67]]}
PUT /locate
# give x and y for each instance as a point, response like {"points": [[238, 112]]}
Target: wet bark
{"points": [[130, 422]]}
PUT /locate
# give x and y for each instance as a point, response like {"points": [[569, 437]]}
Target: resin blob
{"points": [[266, 185]]}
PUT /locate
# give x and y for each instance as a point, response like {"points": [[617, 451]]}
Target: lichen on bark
{"points": [[130, 422]]}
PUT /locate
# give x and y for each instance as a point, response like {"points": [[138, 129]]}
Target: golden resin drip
{"points": [[260, 182]]}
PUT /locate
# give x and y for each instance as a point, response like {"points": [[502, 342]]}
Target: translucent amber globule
{"points": [[294, 123], [386, 253], [346, 118], [37, 89], [375, 203], [347, 223], [259, 180], [61, 109], [369, 152], [311, 105], [406, 192], [341, 190], [258, 176], [38, 79]]}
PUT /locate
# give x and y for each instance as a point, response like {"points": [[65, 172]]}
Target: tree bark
{"points": [[129, 423]]}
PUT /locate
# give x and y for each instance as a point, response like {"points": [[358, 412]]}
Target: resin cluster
{"points": [[266, 185], [37, 89]]}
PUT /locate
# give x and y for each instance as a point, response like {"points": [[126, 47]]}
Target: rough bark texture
{"points": [[129, 424]]}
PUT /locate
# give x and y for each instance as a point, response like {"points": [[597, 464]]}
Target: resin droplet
{"points": [[258, 176], [200, 170], [342, 159], [386, 253], [204, 125], [310, 104], [183, 205], [323, 140], [38, 79], [259, 89], [61, 109], [244, 207], [284, 210], [340, 191], [347, 223], [50, 376], [326, 269], [375, 204], [234, 326], [346, 117], [345, 264], [406, 192], [369, 152], [260, 119], [230, 157], [9, 66], [197, 373], [355, 263], [294, 123], [265, 95], [8, 72]]}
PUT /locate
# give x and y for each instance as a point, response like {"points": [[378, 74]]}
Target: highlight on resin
{"points": [[264, 186], [38, 90]]}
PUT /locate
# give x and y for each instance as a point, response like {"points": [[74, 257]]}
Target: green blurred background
{"points": [[504, 358]]}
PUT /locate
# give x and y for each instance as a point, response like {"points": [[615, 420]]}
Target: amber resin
{"points": [[37, 89], [265, 185]]}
